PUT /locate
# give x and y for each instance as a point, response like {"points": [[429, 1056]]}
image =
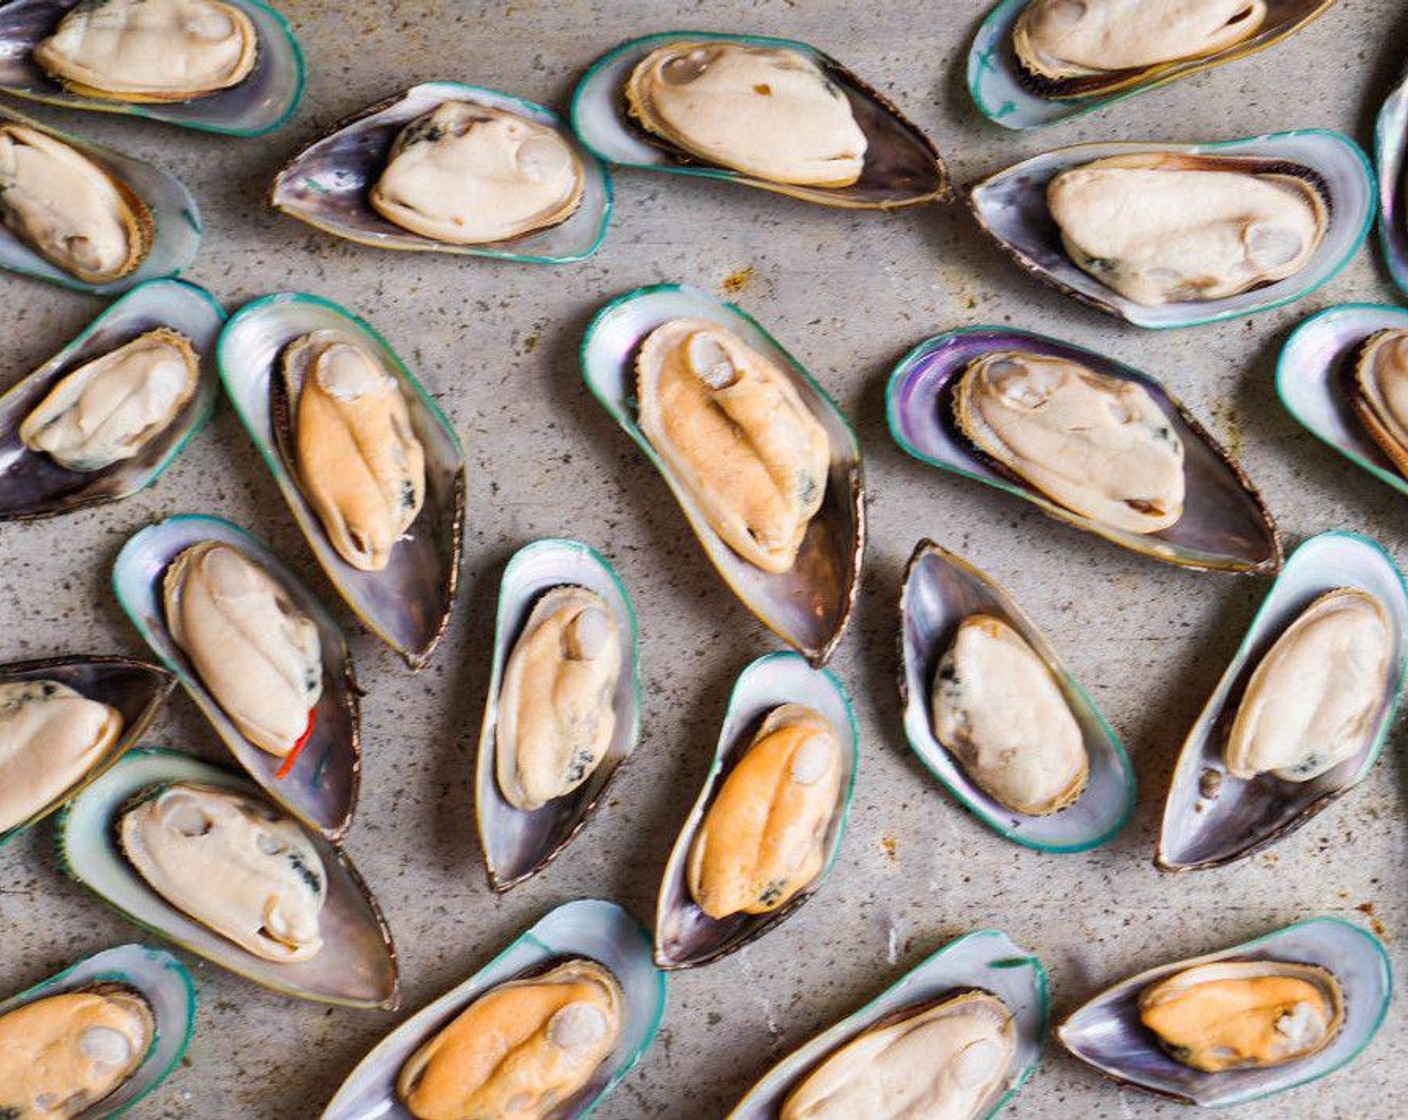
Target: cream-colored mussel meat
{"points": [[358, 458], [998, 710], [470, 174], [1315, 697], [736, 433], [69, 209], [1058, 39], [1163, 227], [1096, 444], [1379, 393], [50, 736], [232, 863], [771, 112], [763, 839], [940, 1061], [64, 1053], [257, 653], [556, 715], [1243, 1014], [109, 408], [520, 1050], [150, 50]]}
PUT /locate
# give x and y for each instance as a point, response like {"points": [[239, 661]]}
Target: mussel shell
{"points": [[599, 931], [327, 184], [174, 216], [519, 843], [1391, 158], [940, 590], [357, 964], [1011, 206], [1225, 525], [134, 688], [254, 107], [1004, 96], [33, 484], [1312, 379], [408, 603], [321, 791], [987, 960], [902, 166], [807, 607], [1242, 817], [162, 981], [1106, 1031], [685, 936]]}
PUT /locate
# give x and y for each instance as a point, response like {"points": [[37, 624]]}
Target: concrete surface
{"points": [[849, 294]]}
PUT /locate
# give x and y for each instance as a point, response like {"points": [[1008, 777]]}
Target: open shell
{"points": [[1312, 374], [902, 166], [173, 213], [327, 183], [162, 981], [1225, 525], [357, 964], [321, 791], [940, 590], [809, 606], [684, 935], [1107, 1034], [33, 484], [1241, 817], [517, 843], [1011, 206], [599, 931], [987, 960], [134, 688], [1391, 158], [408, 603], [1003, 95], [254, 107]]}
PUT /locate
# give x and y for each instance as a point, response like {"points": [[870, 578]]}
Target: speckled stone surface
{"points": [[848, 294]]}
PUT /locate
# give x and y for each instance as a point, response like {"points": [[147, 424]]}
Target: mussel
{"points": [[1391, 162]]}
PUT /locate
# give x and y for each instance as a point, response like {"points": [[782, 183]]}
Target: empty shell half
{"points": [[1335, 627], [319, 786], [226, 66], [788, 750], [154, 989], [330, 183], [1080, 57], [355, 965], [598, 935], [364, 435], [986, 967], [809, 601], [769, 113], [563, 704], [1315, 188], [1107, 1032], [1391, 162], [1223, 524]]}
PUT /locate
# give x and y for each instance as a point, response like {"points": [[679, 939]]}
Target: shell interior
{"points": [[408, 603], [1225, 525], [902, 166], [600, 931], [987, 960], [357, 964], [517, 843], [256, 106], [1011, 206], [1210, 817], [321, 791], [940, 590], [809, 606], [1391, 158], [327, 183], [1106, 1031], [684, 935]]}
